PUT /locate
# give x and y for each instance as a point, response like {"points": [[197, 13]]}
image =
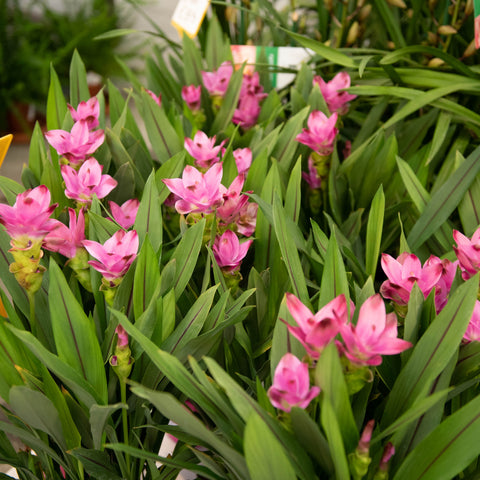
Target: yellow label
{"points": [[4, 144], [188, 16]]}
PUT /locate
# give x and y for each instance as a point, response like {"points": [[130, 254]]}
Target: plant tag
{"points": [[4, 144], [476, 10], [188, 16], [286, 57]]}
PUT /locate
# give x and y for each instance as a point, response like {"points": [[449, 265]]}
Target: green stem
{"points": [[123, 394], [32, 319], [452, 23]]}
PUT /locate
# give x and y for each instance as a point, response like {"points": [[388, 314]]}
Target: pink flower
{"points": [[472, 333], [403, 272], [203, 150], [243, 159], [247, 112], [125, 215], [233, 201], [192, 97], [76, 145], [312, 177], [229, 252], [88, 112], [122, 337], [157, 98], [67, 240], [468, 253], [251, 84], [247, 219], [335, 98], [291, 384], [216, 82], [29, 218], [442, 287], [87, 182], [374, 335], [315, 332], [115, 256], [320, 134], [198, 192]]}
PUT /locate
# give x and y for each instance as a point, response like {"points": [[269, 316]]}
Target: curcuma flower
{"points": [[191, 95], [374, 335], [202, 148], [27, 223], [403, 272], [472, 333], [88, 112], [291, 384], [126, 213], [216, 82], [335, 97], [320, 134], [468, 253], [229, 252], [115, 256], [198, 192], [315, 332], [87, 182], [76, 145], [243, 159]]}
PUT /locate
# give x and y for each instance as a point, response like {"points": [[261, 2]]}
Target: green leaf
{"points": [[293, 196], [329, 377], [264, 455], [445, 200], [74, 333], [329, 53], [192, 324], [421, 198], [332, 431], [78, 81], [99, 415], [448, 450], [56, 103], [432, 352], [163, 136], [97, 464], [334, 278], [391, 23], [186, 255], [287, 144], [374, 232], [37, 154], [149, 215], [289, 253], [171, 408], [147, 278], [38, 411]]}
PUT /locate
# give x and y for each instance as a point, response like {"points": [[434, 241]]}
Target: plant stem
{"points": [[32, 319], [123, 396], [452, 23]]}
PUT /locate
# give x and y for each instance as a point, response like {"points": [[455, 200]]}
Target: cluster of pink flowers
{"points": [[321, 131], [405, 271], [202, 193], [363, 343], [251, 93], [82, 173]]}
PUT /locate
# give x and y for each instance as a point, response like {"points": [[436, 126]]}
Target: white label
{"points": [[189, 15]]}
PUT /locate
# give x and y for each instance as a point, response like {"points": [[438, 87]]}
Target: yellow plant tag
{"points": [[188, 16], [4, 144]]}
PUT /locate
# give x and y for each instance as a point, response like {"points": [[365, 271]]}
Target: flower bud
{"points": [[360, 458], [122, 361]]}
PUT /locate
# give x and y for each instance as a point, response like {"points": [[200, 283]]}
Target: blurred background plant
{"points": [[35, 35]]}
